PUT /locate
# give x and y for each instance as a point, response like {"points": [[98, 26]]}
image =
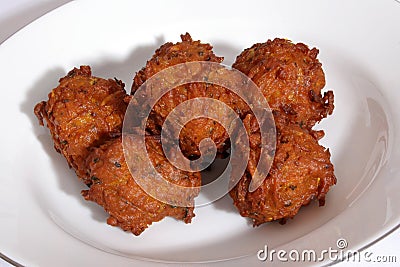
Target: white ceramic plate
{"points": [[45, 222]]}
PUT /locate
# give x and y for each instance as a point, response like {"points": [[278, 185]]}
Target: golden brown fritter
{"points": [[290, 77], [83, 111], [198, 129], [301, 171], [170, 54], [116, 191], [85, 116]]}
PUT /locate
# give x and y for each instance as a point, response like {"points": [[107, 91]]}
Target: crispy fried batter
{"points": [[290, 77], [83, 111], [85, 115], [301, 171], [128, 205], [198, 129], [170, 54]]}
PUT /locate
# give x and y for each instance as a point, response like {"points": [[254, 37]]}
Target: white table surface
{"points": [[15, 14]]}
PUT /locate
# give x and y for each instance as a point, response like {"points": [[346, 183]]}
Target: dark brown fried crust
{"points": [[301, 171], [290, 77], [82, 112], [198, 129], [116, 191]]}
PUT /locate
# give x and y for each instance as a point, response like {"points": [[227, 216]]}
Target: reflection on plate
{"points": [[43, 219]]}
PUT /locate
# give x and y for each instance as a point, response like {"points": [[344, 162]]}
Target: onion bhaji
{"points": [[198, 129], [82, 112], [301, 171], [290, 77], [85, 114], [116, 191]]}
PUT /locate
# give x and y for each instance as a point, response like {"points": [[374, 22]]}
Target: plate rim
{"points": [[387, 231]]}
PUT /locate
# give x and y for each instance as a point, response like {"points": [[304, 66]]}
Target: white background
{"points": [[15, 14]]}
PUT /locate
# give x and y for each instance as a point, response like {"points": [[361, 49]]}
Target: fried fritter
{"points": [[85, 116], [198, 129], [82, 112], [290, 77], [301, 171], [170, 54], [116, 191]]}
